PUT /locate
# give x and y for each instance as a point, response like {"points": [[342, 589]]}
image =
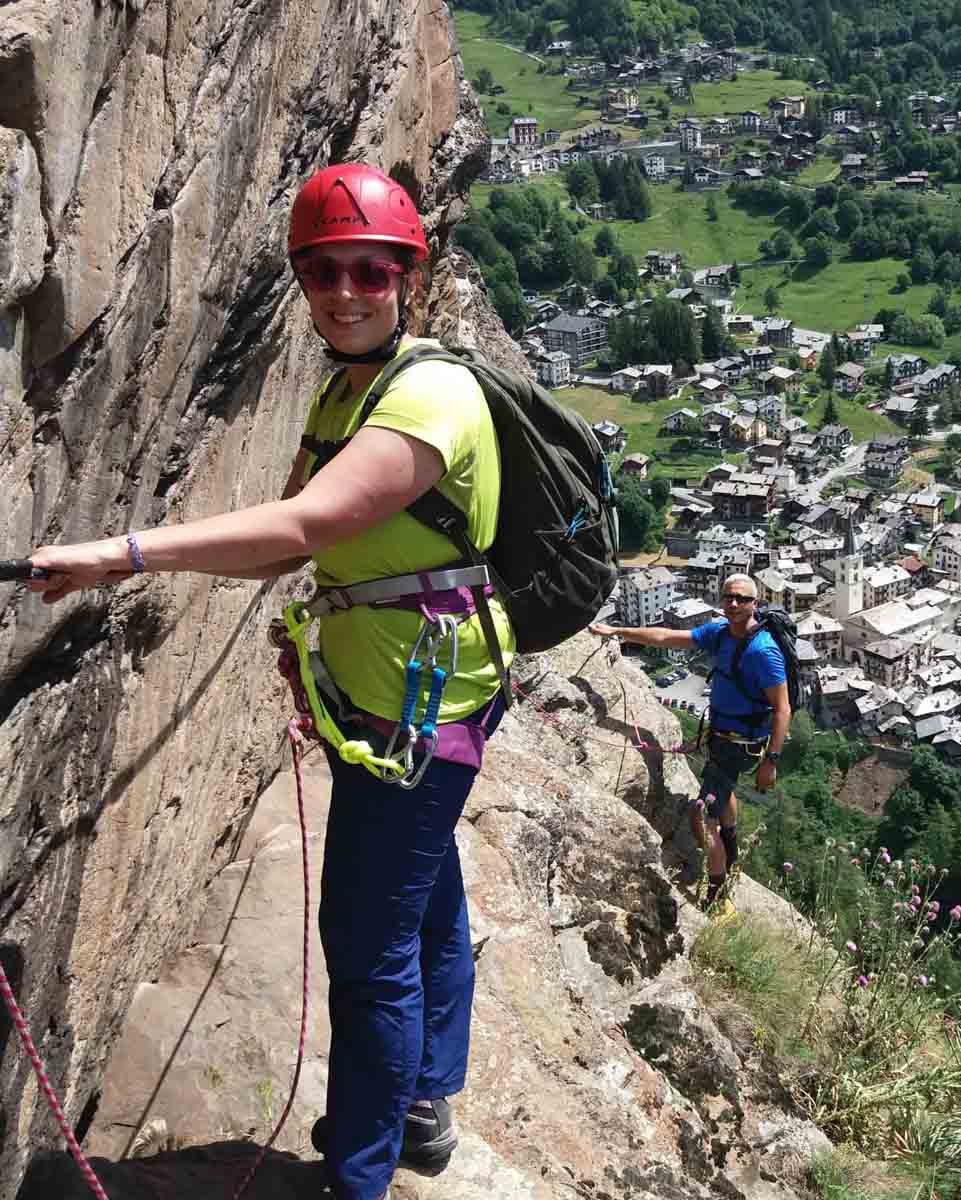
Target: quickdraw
{"points": [[435, 630]]}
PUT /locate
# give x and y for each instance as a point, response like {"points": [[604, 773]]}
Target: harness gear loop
{"points": [[297, 620]]}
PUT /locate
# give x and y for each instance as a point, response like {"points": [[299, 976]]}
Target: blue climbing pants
{"points": [[395, 933]]}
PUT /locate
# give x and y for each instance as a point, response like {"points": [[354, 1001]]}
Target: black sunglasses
{"points": [[737, 598]]}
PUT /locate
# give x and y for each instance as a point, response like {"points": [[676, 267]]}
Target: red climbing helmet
{"points": [[354, 203]]}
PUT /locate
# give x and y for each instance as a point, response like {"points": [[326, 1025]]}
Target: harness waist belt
{"points": [[396, 587]]}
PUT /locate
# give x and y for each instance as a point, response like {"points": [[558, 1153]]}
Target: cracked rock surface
{"points": [[594, 1068]]}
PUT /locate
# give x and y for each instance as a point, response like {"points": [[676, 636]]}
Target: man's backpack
{"points": [[780, 625], [554, 560]]}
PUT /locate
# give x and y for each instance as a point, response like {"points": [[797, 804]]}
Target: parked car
{"points": [[664, 681], [681, 673], [683, 704]]}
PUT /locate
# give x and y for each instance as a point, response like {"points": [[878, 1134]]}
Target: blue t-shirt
{"points": [[761, 666]]}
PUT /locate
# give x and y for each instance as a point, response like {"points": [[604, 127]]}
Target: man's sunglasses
{"points": [[737, 598], [371, 276]]}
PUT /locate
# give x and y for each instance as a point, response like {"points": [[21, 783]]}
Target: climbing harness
{"points": [[442, 597]]}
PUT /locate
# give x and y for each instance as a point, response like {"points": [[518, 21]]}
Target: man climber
{"points": [[748, 717]]}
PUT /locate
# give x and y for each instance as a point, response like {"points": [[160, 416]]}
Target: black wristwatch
{"points": [[773, 756]]}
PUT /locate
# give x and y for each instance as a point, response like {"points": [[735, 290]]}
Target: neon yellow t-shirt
{"points": [[366, 649]]}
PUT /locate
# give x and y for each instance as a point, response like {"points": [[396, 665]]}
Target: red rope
{"points": [[30, 1049], [295, 730], [638, 742]]}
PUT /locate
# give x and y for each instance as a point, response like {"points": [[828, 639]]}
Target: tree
{"points": [[484, 81], [715, 341], [920, 425], [922, 266], [641, 524], [660, 491], [817, 251], [828, 366], [830, 416], [710, 208], [903, 281], [848, 217], [605, 242], [952, 443], [623, 269], [583, 263], [772, 299], [782, 244]]}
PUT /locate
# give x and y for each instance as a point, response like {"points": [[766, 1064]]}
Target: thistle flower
{"points": [[862, 981], [699, 804], [935, 906], [787, 868], [852, 946], [883, 850], [889, 883], [855, 862], [922, 980], [955, 913], [885, 858]]}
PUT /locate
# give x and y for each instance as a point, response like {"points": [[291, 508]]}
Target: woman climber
{"points": [[393, 912]]}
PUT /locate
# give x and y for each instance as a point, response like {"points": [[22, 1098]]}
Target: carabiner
{"points": [[412, 781]]}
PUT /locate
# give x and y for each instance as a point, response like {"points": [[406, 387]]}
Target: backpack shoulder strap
{"points": [[736, 677], [403, 363], [434, 510]]}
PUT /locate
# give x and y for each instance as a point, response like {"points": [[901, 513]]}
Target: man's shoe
{"points": [[429, 1135]]}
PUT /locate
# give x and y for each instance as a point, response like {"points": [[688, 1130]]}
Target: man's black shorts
{"points": [[726, 760]]}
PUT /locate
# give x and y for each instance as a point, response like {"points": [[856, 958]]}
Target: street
{"points": [[851, 466], [689, 689]]}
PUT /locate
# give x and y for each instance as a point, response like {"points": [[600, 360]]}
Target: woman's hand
{"points": [[84, 565]]}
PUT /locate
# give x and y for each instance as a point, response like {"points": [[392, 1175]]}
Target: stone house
{"points": [[906, 366], [677, 420], [758, 358], [933, 381], [554, 368], [834, 437], [779, 332], [849, 378], [927, 507], [611, 436], [780, 379], [947, 555], [823, 632]]}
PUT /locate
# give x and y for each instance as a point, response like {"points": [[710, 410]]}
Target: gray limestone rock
{"points": [[22, 229]]}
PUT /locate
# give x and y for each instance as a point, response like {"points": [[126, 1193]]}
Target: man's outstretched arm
{"points": [[647, 635]]}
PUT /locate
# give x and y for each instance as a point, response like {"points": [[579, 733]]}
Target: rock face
{"points": [[155, 365], [594, 1067]]}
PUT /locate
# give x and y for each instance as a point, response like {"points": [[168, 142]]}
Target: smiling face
{"points": [[354, 293], [738, 598]]}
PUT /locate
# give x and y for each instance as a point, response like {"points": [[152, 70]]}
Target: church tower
{"points": [[849, 587]]}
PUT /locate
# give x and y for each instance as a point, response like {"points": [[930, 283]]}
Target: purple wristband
{"points": [[136, 555]]}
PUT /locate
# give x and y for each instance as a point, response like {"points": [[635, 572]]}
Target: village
{"points": [[784, 141], [871, 577], [840, 528]]}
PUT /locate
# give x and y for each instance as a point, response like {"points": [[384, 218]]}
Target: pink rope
{"points": [[295, 730], [30, 1049]]}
